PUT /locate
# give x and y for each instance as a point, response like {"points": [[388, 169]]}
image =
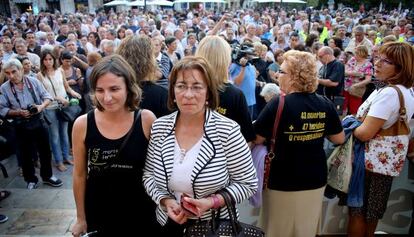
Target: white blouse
{"points": [[184, 162], [59, 88]]}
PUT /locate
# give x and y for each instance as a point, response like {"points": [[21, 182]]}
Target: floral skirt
{"points": [[376, 193]]}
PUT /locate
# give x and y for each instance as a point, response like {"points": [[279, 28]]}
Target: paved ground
{"points": [[45, 211], [48, 211]]}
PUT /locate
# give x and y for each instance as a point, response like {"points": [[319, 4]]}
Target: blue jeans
{"points": [[58, 136]]}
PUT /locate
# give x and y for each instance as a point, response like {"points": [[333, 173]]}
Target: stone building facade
{"points": [[64, 6]]}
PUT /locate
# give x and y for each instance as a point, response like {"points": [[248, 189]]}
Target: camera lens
{"points": [[32, 109]]}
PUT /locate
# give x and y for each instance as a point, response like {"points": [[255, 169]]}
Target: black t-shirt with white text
{"points": [[233, 105], [300, 162]]}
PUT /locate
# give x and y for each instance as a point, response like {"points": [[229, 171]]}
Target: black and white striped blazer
{"points": [[224, 161]]}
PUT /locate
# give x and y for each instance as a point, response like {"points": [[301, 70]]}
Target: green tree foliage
{"points": [[313, 3], [387, 4]]}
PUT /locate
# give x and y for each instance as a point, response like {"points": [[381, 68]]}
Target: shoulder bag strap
{"points": [[276, 124], [400, 127], [403, 111], [31, 90], [229, 203], [124, 142], [53, 87], [29, 87]]}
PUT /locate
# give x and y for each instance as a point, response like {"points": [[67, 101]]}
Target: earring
{"points": [[206, 102], [175, 101]]}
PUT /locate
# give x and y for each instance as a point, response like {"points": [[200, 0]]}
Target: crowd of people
{"points": [[172, 103]]}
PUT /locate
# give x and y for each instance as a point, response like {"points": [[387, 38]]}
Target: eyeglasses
{"points": [[321, 55], [281, 71], [196, 89], [385, 60]]}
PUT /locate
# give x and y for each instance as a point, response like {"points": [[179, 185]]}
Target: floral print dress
{"points": [[352, 65]]}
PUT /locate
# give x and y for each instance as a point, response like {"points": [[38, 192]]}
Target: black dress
{"points": [[233, 105], [154, 98], [116, 203]]}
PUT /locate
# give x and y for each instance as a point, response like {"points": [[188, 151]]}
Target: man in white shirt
{"points": [[251, 34], [359, 39], [7, 49], [21, 50], [112, 35]]}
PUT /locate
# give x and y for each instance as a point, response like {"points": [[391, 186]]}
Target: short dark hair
{"points": [[294, 34], [169, 40], [66, 55], [337, 52], [200, 64], [29, 32], [116, 65], [21, 59]]}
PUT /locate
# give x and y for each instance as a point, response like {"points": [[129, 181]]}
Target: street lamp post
{"points": [[331, 4]]}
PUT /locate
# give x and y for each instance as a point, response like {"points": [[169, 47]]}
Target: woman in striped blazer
{"points": [[195, 151]]}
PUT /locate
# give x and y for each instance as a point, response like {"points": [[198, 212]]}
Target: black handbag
{"points": [[66, 113], [69, 113], [217, 227]]}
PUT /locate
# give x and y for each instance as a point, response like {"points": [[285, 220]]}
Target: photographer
{"points": [[243, 75], [24, 99]]}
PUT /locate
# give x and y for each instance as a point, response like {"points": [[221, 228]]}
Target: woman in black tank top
{"points": [[110, 146], [73, 74]]}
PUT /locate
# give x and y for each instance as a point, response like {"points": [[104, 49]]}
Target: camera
{"points": [[309, 10], [32, 109], [239, 51]]}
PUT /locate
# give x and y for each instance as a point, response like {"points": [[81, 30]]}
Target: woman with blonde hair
{"points": [[389, 38], [358, 74], [232, 103], [260, 50], [138, 52], [292, 202]]}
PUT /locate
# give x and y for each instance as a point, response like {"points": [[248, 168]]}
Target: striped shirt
{"points": [[224, 162]]}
